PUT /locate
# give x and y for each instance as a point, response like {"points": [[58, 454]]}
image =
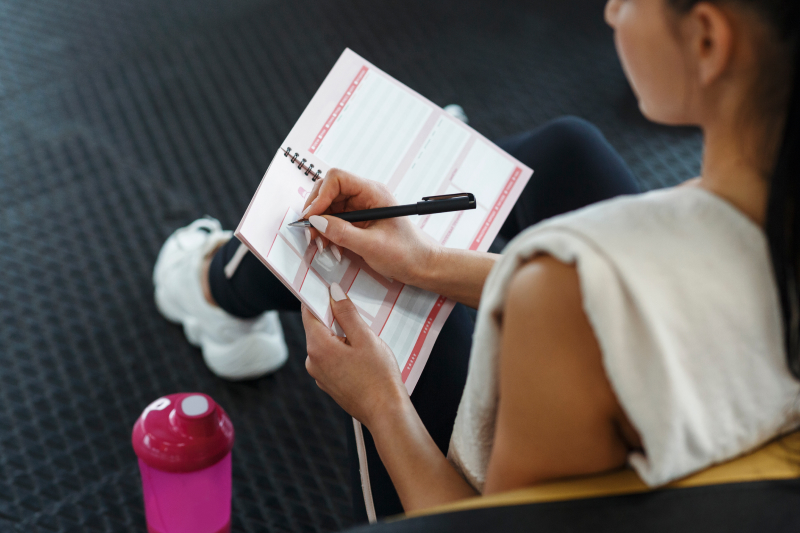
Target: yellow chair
{"points": [[777, 460], [756, 492]]}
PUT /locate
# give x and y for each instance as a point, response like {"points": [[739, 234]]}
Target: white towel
{"points": [[678, 287]]}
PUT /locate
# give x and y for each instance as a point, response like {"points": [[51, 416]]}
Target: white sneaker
{"points": [[233, 348], [457, 111]]}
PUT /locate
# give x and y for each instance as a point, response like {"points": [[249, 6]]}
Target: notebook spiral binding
{"points": [[309, 169]]}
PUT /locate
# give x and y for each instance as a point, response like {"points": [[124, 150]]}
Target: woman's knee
{"points": [[556, 143], [572, 135], [575, 150]]}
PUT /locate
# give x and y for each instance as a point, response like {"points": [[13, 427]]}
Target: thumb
{"points": [[342, 233], [346, 314]]}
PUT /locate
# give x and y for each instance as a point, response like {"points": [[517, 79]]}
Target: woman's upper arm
{"points": [[557, 414]]}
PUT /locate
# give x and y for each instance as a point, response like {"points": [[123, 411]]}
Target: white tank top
{"points": [[678, 287]]}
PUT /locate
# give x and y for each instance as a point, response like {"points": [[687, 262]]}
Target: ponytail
{"points": [[783, 222]]}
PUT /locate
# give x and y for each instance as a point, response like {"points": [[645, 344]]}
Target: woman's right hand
{"points": [[393, 247]]}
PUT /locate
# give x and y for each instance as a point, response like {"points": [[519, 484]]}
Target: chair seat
{"points": [[780, 459], [759, 491]]}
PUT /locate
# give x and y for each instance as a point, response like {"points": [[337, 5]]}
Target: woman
{"points": [[653, 330], [645, 329]]}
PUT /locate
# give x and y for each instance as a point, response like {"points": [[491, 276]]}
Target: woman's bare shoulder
{"points": [[557, 414]]}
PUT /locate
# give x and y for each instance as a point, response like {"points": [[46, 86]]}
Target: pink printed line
{"points": [[390, 310], [304, 278], [338, 109], [496, 209], [352, 282], [422, 336], [276, 235]]}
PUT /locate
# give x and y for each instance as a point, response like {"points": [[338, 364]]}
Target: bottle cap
{"points": [[182, 433]]}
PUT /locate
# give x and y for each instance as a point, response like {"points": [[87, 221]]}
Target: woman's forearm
{"points": [[456, 274], [420, 472]]}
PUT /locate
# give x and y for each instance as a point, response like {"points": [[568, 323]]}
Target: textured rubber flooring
{"points": [[121, 120]]}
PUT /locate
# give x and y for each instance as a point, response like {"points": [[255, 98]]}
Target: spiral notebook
{"points": [[364, 121]]}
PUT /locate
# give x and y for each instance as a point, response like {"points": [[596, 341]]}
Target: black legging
{"points": [[574, 166]]}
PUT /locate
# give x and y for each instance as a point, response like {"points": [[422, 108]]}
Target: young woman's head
{"points": [[690, 61], [734, 65]]}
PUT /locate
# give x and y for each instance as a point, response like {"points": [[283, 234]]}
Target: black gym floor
{"points": [[122, 120]]}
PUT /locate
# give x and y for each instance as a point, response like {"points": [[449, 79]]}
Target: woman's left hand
{"points": [[361, 374], [358, 371]]}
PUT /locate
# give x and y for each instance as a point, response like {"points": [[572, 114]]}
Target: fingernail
{"points": [[319, 222], [336, 253], [318, 240], [337, 293], [308, 236], [306, 210]]}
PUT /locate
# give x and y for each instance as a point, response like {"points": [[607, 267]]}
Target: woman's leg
{"points": [[251, 290], [574, 166]]}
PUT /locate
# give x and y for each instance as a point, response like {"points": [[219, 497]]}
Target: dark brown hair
{"points": [[783, 206]]}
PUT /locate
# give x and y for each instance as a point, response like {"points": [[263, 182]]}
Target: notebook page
{"points": [[363, 121]]}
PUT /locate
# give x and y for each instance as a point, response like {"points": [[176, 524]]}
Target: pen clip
{"points": [[467, 195]]}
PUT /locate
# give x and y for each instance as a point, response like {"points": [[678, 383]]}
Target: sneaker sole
{"points": [[251, 357]]}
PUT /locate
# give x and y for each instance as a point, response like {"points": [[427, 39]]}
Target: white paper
{"points": [[367, 293]]}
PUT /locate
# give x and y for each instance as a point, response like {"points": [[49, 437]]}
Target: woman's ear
{"points": [[710, 35]]}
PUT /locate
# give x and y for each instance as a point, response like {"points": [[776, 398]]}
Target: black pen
{"points": [[428, 206]]}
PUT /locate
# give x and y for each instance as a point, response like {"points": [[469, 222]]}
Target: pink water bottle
{"points": [[184, 444]]}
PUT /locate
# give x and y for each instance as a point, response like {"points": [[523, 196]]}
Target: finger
{"points": [[337, 184], [346, 314], [321, 243], [315, 206], [338, 331], [308, 317], [313, 234], [341, 233], [336, 251], [317, 334], [311, 197], [323, 194], [312, 371], [310, 321], [322, 387], [340, 187], [341, 191]]}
